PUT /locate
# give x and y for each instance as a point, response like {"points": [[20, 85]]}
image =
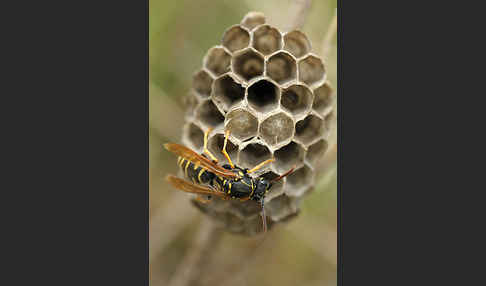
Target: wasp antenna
{"points": [[284, 175], [167, 146]]}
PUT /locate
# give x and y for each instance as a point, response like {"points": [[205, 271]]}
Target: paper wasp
{"points": [[209, 179]]}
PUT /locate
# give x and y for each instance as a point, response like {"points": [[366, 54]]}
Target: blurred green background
{"points": [[301, 252]]}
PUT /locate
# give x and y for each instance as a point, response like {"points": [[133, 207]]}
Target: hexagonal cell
{"points": [[292, 215], [248, 64], [297, 43], [263, 95], [215, 145], [329, 120], [190, 102], [253, 19], [209, 114], [267, 39], [311, 70], [277, 187], [309, 129], [280, 207], [217, 205], [236, 38], [323, 98], [246, 210], [227, 92], [217, 60], [299, 181], [297, 99], [289, 156], [233, 223], [195, 135], [281, 67], [201, 82], [277, 128], [253, 154], [242, 124], [316, 151]]}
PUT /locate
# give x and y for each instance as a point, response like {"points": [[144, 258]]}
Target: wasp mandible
{"points": [[205, 177]]}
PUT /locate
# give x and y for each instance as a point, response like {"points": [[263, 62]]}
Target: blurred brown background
{"points": [[301, 252]]}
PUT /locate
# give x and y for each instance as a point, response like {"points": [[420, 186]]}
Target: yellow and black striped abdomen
{"points": [[196, 174]]}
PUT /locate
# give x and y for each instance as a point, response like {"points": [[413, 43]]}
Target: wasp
{"points": [[206, 178]]}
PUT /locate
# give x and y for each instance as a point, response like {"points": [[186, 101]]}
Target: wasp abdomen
{"points": [[196, 174]]}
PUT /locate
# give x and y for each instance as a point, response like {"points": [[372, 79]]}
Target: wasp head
{"points": [[262, 186]]}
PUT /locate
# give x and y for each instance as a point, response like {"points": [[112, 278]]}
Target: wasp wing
{"points": [[197, 159], [189, 187]]}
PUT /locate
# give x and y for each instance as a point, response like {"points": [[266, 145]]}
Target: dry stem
{"points": [[331, 31], [168, 222], [299, 9], [236, 273], [198, 255]]}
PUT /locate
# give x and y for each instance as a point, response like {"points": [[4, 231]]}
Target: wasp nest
{"points": [[271, 92]]}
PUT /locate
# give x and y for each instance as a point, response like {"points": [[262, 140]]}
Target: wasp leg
{"points": [[206, 150], [226, 135], [244, 199], [259, 166], [202, 200]]}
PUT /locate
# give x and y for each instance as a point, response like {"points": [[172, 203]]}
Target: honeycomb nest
{"points": [[271, 92]]}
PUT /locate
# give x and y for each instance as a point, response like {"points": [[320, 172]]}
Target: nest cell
{"points": [[253, 19], [277, 128], [328, 121], [309, 129], [323, 98], [253, 154], [277, 187], [248, 64], [242, 124], [297, 99], [263, 95], [299, 181], [316, 151], [297, 44], [227, 92], [195, 135], [267, 39], [217, 61], [209, 114], [236, 38], [233, 223], [246, 210], [289, 156], [282, 68], [280, 207], [311, 70], [201, 82], [215, 145], [190, 102]]}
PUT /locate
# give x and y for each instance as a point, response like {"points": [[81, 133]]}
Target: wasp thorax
{"points": [[270, 91]]}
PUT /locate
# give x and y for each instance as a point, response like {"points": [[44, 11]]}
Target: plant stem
{"points": [[168, 222], [190, 269], [299, 9], [331, 31]]}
